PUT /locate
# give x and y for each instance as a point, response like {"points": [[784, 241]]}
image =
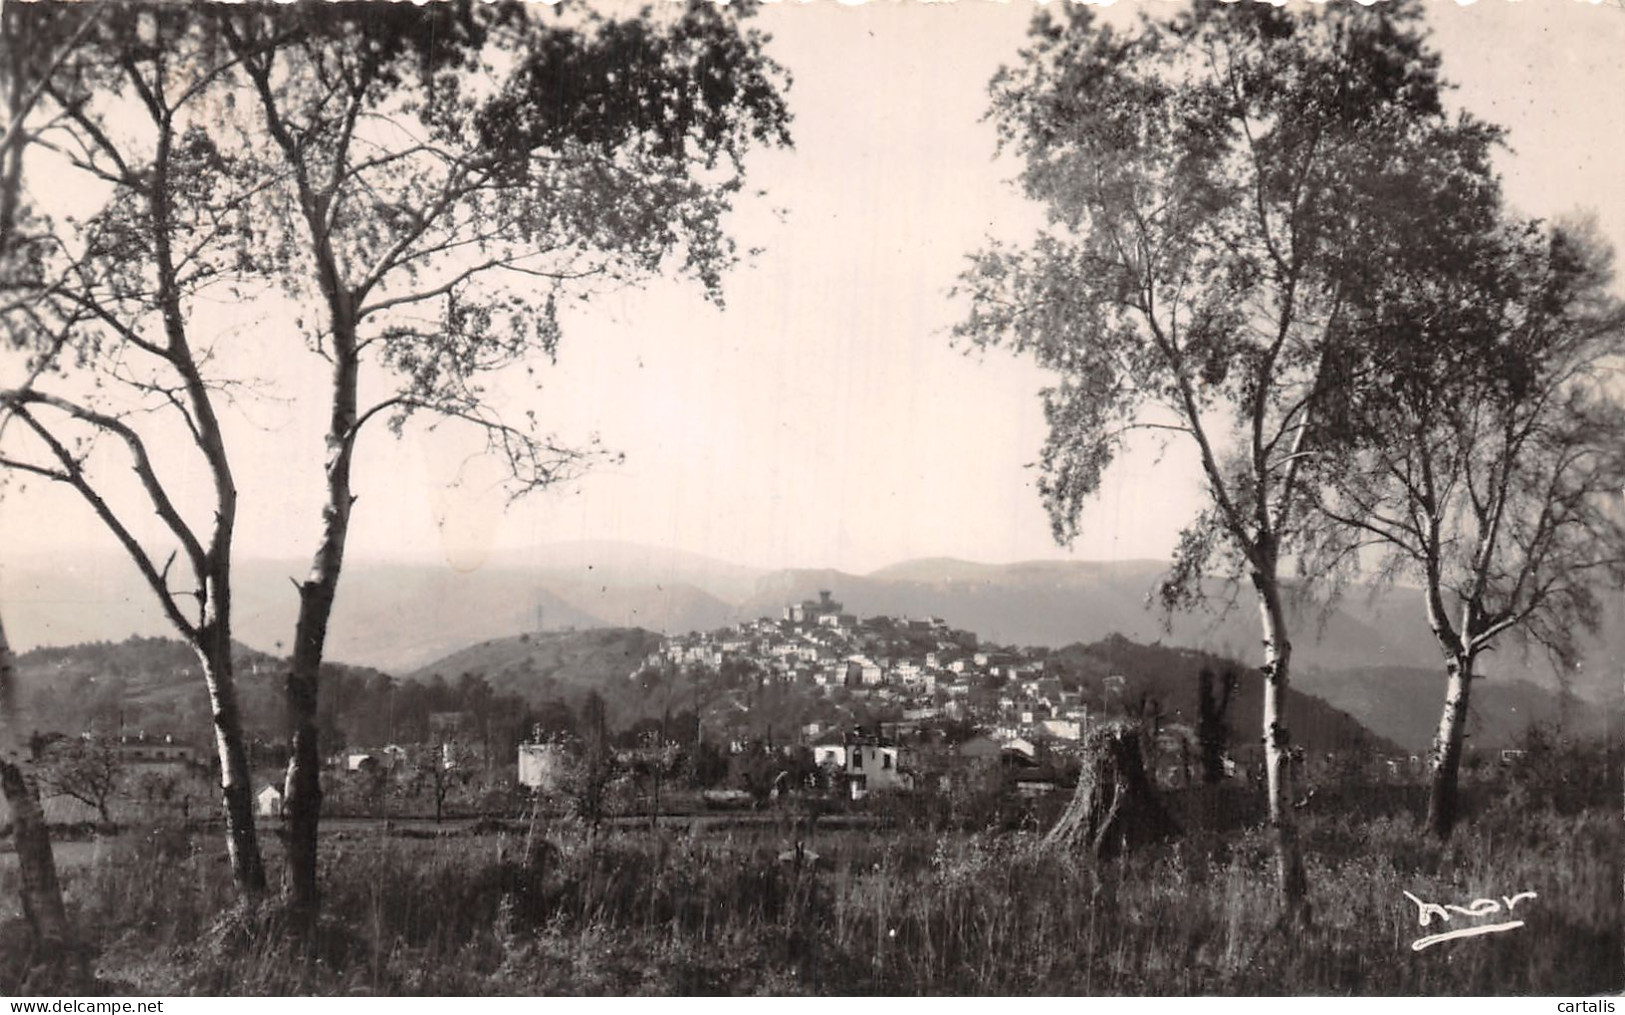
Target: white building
{"points": [[268, 802], [541, 766], [1062, 729], [872, 767], [869, 672], [833, 755]]}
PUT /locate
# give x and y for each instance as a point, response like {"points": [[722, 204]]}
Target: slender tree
{"points": [[37, 885], [28, 61], [1212, 729], [652, 760], [439, 766], [434, 223], [98, 307], [1212, 184], [1489, 447], [427, 182]]}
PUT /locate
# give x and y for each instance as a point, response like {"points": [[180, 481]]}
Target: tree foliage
{"points": [[1483, 451], [1486, 436], [1217, 187], [424, 185], [444, 184]]}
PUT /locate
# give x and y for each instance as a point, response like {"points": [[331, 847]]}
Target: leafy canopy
{"points": [[1216, 185]]}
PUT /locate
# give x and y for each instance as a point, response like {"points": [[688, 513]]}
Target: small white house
{"points": [[386, 757], [542, 766], [873, 767], [268, 802], [1062, 729], [833, 755], [1021, 746]]}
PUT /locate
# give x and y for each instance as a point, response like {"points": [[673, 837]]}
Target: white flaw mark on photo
{"points": [[1426, 911]]}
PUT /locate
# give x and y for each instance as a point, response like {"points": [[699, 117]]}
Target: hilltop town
{"points": [[911, 672], [885, 702], [833, 702], [877, 687]]}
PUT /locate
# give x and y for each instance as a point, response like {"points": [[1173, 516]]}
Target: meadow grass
{"points": [[907, 909]]}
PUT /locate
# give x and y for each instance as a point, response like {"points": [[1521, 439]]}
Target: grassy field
{"points": [[910, 908]]}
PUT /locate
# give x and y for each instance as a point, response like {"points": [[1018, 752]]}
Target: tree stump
{"points": [[1115, 808]]}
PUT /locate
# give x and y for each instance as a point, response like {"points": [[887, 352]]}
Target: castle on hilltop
{"points": [[825, 611]]}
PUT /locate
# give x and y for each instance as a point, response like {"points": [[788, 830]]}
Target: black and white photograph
{"points": [[812, 498]]}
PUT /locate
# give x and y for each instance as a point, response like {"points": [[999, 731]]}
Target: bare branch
{"points": [[17, 400], [72, 473]]}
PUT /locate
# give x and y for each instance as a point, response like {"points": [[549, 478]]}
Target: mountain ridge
{"points": [[401, 615]]}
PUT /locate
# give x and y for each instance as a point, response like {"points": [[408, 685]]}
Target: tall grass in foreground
{"points": [[907, 910]]}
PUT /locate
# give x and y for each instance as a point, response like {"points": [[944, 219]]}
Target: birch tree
{"points": [[434, 224], [97, 310], [27, 63], [1212, 184], [1489, 438], [427, 183]]}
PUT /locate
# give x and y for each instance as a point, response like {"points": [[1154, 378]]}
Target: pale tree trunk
{"points": [[316, 596], [1460, 654], [38, 887], [303, 789], [212, 643], [1447, 748], [236, 781], [211, 638], [1290, 877]]}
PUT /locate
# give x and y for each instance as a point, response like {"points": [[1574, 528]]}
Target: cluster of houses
{"points": [[920, 665], [860, 764], [445, 730], [908, 704], [919, 672], [926, 675]]}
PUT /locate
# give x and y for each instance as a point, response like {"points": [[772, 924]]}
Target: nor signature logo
{"points": [[1478, 909]]}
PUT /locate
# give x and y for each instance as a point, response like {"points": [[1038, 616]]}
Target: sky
{"points": [[823, 417]]}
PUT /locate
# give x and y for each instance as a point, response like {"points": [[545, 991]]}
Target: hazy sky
{"points": [[823, 419]]}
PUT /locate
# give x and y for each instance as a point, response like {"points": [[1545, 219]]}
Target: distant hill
{"points": [[621, 565], [402, 616], [541, 665], [1019, 603], [153, 685], [563, 666], [569, 665], [141, 685], [675, 608], [1164, 681], [1403, 705]]}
